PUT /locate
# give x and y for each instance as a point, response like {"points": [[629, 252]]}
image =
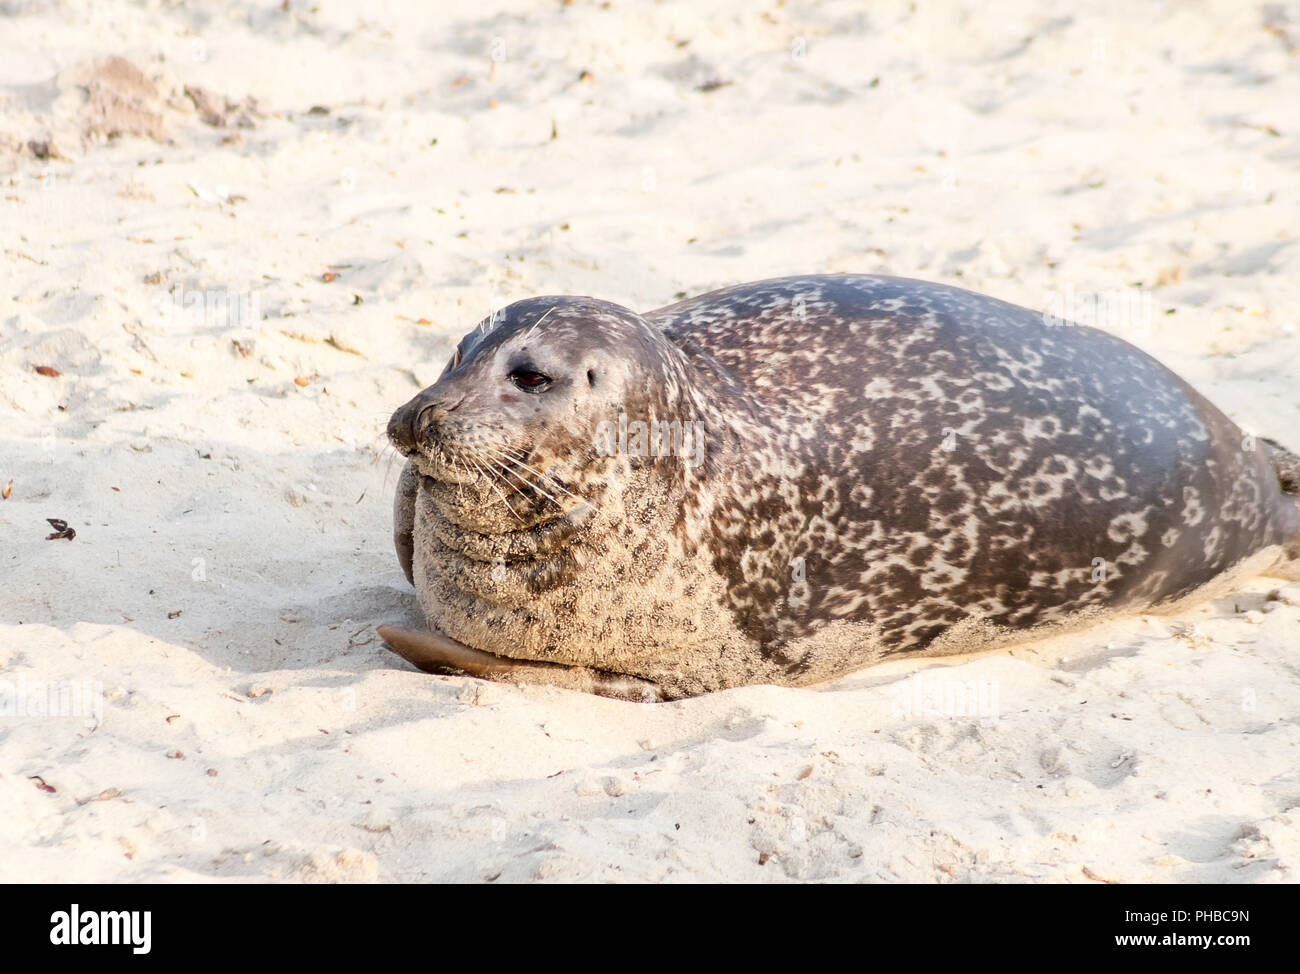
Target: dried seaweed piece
{"points": [[106, 795], [61, 529]]}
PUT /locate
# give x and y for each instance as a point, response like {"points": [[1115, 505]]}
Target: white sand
{"points": [[262, 734]]}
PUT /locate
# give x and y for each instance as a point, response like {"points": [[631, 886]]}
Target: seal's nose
{"points": [[409, 424]]}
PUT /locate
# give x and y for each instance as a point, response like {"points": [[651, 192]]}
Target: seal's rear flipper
{"points": [[1287, 465], [434, 652]]}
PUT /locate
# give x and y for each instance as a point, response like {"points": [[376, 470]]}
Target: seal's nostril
{"points": [[433, 411]]}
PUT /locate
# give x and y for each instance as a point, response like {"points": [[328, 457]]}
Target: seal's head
{"points": [[554, 472], [517, 428]]}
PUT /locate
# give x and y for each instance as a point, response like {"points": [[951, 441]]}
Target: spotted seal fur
{"points": [[861, 467]]}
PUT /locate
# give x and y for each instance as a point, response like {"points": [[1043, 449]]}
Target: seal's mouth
{"points": [[435, 652]]}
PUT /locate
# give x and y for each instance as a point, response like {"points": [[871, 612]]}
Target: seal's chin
{"points": [[434, 652]]}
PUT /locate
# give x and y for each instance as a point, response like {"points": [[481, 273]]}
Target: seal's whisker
{"points": [[491, 456], [547, 478], [538, 322], [493, 484], [495, 464], [496, 470], [461, 487], [527, 483], [496, 473], [518, 461]]}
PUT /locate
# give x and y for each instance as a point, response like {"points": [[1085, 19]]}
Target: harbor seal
{"points": [[783, 481]]}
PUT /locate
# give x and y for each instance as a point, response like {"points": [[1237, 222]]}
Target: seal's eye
{"points": [[529, 380]]}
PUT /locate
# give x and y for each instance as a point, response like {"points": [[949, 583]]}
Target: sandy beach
{"points": [[236, 237]]}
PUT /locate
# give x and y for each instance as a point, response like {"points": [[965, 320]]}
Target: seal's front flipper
{"points": [[435, 653], [404, 518]]}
